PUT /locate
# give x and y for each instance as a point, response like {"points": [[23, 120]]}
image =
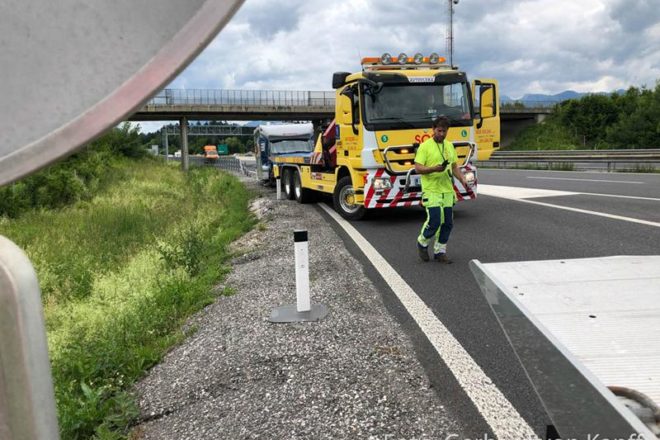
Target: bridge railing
{"points": [[243, 97]]}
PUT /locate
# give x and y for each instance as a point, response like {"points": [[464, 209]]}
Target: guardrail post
{"points": [[278, 185], [27, 401], [303, 310]]}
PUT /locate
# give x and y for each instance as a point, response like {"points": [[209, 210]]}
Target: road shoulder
{"points": [[352, 375]]}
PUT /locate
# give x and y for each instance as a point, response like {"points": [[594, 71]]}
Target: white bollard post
{"points": [[278, 184], [302, 271], [303, 310]]}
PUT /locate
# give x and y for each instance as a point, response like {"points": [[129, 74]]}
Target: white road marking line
{"points": [[514, 192], [622, 197], [586, 180], [499, 413], [519, 194], [600, 214]]}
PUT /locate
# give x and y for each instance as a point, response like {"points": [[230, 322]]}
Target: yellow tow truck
{"points": [[365, 157]]}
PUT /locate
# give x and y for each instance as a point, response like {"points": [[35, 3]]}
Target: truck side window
{"points": [[355, 107]]}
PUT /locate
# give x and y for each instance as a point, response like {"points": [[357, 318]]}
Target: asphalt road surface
{"points": [[625, 221]]}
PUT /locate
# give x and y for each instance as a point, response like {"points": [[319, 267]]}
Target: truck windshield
{"points": [[291, 146], [415, 105]]}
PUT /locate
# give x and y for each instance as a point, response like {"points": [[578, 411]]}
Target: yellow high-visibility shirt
{"points": [[430, 154]]}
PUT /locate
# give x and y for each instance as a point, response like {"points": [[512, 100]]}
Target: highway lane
{"points": [[629, 195], [496, 230], [626, 184]]}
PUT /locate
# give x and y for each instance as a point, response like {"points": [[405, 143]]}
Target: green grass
{"points": [[119, 274]]}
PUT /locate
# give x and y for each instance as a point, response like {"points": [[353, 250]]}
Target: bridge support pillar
{"points": [[183, 127], [166, 145]]}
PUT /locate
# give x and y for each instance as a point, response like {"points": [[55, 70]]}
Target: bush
{"points": [[548, 135], [76, 178]]}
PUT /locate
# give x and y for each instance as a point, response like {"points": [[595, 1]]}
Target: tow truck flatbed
{"points": [[601, 314]]}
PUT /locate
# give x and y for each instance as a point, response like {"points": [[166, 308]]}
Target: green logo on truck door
{"points": [[384, 138], [464, 133]]}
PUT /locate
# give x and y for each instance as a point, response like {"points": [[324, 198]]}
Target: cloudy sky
{"points": [[530, 46]]}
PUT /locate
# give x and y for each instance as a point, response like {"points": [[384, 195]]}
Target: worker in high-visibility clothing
{"points": [[436, 161]]}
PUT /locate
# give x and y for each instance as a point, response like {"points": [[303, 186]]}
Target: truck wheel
{"points": [[301, 194], [344, 200], [287, 183]]}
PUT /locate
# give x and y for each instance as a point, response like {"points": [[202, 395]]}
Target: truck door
{"points": [[487, 118], [348, 119]]}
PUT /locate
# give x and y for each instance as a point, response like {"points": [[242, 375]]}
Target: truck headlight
{"points": [[470, 178], [381, 183]]}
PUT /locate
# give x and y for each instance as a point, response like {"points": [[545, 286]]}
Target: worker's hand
{"points": [[442, 166]]}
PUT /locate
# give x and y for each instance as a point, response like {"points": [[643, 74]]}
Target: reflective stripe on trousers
{"points": [[439, 218]]}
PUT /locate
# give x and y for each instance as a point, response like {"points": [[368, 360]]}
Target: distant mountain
{"points": [[530, 99]]}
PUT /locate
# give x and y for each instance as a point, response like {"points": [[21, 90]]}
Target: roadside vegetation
{"points": [[125, 248], [618, 121]]}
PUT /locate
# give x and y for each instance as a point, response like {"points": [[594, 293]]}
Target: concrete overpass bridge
{"points": [[238, 105], [287, 105]]}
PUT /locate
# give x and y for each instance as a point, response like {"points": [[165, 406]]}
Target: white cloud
{"points": [[531, 45]]}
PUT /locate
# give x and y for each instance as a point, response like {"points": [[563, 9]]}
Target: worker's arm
{"points": [[459, 174], [423, 169]]}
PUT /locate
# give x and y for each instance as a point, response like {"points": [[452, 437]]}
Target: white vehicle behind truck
{"points": [[272, 141]]}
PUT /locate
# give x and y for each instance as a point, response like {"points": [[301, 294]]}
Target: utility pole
{"points": [[450, 31]]}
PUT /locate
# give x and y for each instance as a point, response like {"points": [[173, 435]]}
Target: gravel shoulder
{"points": [[239, 376]]}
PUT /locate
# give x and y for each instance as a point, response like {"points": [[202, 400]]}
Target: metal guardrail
{"points": [[227, 163], [237, 166], [610, 160]]}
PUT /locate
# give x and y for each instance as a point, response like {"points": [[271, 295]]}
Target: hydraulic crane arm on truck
{"points": [[365, 159]]}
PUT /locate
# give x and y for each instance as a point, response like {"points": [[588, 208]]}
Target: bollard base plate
{"points": [[290, 313]]}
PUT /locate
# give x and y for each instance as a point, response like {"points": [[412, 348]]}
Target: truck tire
{"points": [[302, 195], [342, 198], [287, 183]]}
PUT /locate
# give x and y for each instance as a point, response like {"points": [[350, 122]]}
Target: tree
{"points": [[639, 126], [589, 118], [124, 140], [235, 145]]}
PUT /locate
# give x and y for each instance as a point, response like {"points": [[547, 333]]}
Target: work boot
{"points": [[442, 258], [423, 252]]}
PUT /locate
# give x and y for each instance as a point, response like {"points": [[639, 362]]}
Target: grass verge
{"points": [[119, 274]]}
